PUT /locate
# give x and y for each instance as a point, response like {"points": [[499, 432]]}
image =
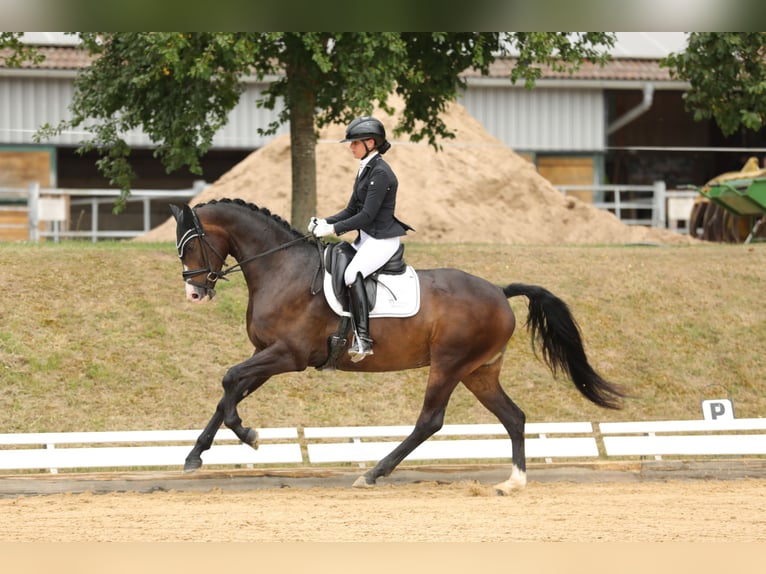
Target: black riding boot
{"points": [[360, 308]]}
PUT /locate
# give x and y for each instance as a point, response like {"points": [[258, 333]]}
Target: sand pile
{"points": [[475, 189]]}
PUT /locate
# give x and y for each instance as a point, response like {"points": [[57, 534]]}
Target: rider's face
{"points": [[357, 148]]}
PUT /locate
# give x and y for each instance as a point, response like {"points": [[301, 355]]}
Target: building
{"points": [[624, 123], [620, 124]]}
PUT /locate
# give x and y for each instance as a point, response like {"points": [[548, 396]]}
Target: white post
{"points": [[94, 220], [33, 201], [198, 186], [147, 214], [659, 217]]}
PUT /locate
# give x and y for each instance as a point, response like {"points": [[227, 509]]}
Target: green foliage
{"points": [[561, 51], [177, 87], [13, 52], [180, 87], [727, 73]]}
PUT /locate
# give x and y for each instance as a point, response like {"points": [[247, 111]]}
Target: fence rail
{"points": [[652, 205], [322, 445], [44, 212]]}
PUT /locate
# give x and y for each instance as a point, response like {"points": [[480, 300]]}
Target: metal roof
{"points": [[618, 69], [635, 57]]}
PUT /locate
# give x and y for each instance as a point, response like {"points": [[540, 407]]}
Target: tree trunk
{"points": [[303, 155]]}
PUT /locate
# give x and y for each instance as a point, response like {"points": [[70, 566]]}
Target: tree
{"points": [[727, 73], [13, 52], [179, 87]]}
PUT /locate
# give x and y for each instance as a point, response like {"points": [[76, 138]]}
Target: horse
{"points": [[461, 329]]}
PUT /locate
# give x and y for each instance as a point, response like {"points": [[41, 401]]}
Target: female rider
{"points": [[370, 212]]}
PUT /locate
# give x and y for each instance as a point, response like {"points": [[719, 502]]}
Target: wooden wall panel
{"points": [[19, 168], [567, 170]]}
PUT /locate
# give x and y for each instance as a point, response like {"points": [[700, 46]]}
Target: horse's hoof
{"points": [[251, 438], [192, 464], [364, 482], [516, 482]]}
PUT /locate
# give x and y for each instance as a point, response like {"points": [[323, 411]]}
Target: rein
{"points": [[238, 267]]}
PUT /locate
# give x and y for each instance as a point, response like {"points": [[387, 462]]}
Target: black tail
{"points": [[552, 326]]}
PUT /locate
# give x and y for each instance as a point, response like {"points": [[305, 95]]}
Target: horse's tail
{"points": [[552, 326]]}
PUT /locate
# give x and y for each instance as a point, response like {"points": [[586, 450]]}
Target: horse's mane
{"points": [[251, 206]]}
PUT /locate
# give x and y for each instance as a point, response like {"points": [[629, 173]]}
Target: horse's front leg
{"points": [[204, 440], [240, 381], [246, 377]]}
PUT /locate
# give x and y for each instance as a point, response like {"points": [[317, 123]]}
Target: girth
{"points": [[337, 258]]}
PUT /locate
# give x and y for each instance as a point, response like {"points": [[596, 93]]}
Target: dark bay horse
{"points": [[461, 330]]}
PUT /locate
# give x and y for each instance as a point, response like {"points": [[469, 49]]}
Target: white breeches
{"points": [[371, 254]]}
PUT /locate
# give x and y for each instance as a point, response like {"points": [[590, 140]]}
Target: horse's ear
{"points": [[185, 223]]}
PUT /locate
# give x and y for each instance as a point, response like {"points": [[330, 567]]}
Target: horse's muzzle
{"points": [[199, 293]]}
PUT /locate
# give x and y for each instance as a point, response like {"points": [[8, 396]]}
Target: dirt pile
{"points": [[475, 189]]}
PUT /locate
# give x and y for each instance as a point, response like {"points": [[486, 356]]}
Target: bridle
{"points": [[211, 276]]}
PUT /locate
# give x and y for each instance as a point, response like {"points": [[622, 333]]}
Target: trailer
{"points": [[732, 206]]}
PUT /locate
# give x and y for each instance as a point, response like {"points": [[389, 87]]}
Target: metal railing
{"points": [[53, 206], [651, 205], [642, 204]]}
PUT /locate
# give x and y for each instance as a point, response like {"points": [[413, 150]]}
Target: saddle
{"points": [[337, 258]]}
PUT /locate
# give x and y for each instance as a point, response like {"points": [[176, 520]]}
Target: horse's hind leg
{"points": [[484, 383], [431, 418]]}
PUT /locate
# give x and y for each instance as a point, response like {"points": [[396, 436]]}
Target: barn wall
{"points": [[540, 120]]}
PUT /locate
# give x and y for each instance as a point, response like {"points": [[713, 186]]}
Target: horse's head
{"points": [[202, 254]]}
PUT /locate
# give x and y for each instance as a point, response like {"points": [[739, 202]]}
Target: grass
{"points": [[100, 337]]}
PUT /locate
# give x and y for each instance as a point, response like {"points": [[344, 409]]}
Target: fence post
{"points": [[33, 215], [659, 216], [147, 205], [617, 200], [94, 220]]}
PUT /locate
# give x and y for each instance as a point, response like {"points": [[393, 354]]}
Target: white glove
{"points": [[313, 223], [323, 229]]}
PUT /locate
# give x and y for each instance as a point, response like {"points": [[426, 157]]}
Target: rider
{"points": [[370, 212]]}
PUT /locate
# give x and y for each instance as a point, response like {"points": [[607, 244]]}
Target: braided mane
{"points": [[262, 210]]}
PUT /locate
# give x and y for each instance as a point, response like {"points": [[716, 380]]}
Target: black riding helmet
{"points": [[365, 128]]}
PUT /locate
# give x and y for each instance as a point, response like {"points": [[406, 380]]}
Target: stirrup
{"points": [[360, 348]]}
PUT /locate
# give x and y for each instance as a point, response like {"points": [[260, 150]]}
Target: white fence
{"points": [[324, 445], [685, 438], [364, 444], [121, 449], [652, 205], [52, 207]]}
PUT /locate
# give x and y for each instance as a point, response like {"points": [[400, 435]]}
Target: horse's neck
{"points": [[268, 259]]}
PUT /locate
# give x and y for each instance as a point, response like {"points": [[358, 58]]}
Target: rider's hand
{"points": [[313, 223], [323, 229]]}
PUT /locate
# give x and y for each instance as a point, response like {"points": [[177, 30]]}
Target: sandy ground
{"points": [[462, 511]]}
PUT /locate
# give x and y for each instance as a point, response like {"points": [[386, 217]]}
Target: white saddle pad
{"points": [[398, 295]]}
